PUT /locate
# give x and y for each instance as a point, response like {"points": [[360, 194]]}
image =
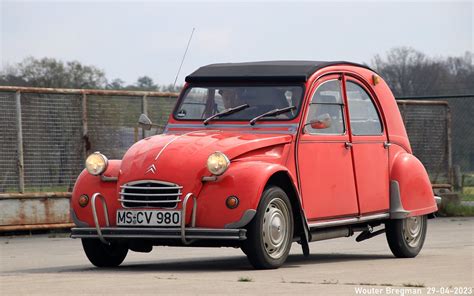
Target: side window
{"points": [[325, 114], [365, 120]]}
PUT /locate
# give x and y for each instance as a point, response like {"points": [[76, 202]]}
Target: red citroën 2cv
{"points": [[257, 156]]}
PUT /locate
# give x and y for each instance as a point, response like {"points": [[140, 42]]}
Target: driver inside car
{"points": [[230, 98]]}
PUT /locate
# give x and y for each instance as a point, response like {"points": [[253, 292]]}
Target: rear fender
{"points": [[410, 188]]}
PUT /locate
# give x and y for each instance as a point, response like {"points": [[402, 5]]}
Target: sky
{"points": [[128, 39]]}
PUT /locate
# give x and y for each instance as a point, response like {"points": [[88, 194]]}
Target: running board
{"points": [[348, 221]]}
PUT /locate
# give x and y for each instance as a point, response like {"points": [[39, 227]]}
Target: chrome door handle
{"points": [[348, 145], [386, 144]]}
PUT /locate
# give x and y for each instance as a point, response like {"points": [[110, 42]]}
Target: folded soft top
{"points": [[268, 71]]}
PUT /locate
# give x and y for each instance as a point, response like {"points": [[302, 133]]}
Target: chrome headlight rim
{"points": [[105, 164], [224, 166]]}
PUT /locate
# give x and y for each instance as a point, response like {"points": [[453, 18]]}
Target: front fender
{"points": [[414, 191], [244, 179], [89, 184]]}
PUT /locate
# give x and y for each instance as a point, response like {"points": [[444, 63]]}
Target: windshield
{"points": [[201, 102]]}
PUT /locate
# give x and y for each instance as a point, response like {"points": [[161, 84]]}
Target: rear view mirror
{"points": [[323, 121], [145, 122]]}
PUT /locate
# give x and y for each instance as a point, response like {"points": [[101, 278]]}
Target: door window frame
{"points": [[361, 83], [318, 83]]}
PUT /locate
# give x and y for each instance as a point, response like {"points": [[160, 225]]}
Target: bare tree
{"points": [[461, 71], [410, 72]]}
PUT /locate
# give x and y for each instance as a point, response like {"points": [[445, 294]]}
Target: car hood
{"points": [[180, 158]]}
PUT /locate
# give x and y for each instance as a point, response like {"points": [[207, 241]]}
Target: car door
{"points": [[324, 162], [369, 148]]}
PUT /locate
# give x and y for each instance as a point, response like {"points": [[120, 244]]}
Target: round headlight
{"points": [[217, 163], [96, 163]]}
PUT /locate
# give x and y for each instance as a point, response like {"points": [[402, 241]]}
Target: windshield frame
{"points": [[240, 84]]}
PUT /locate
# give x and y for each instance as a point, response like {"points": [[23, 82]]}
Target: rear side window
{"points": [[364, 118], [325, 114]]}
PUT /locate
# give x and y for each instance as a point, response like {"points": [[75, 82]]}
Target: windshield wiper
{"points": [[225, 113], [273, 112]]}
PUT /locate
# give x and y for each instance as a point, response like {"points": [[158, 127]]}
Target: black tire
{"points": [[264, 250], [404, 238], [102, 255]]}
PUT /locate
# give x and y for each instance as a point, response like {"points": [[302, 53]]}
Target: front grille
{"points": [[156, 194]]}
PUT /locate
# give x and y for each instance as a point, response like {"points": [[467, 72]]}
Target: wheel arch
{"points": [[284, 180]]}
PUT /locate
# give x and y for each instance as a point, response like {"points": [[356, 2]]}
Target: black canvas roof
{"points": [[269, 71]]}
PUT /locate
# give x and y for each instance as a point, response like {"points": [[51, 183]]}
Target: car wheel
{"points": [[270, 234], [102, 255], [406, 236]]}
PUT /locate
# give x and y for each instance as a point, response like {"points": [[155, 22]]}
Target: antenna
{"points": [[180, 65], [182, 60]]}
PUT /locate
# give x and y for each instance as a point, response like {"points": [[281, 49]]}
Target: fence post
{"points": [[19, 130], [85, 129], [449, 146], [144, 111]]}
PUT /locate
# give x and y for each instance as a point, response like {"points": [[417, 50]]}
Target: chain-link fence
{"points": [[46, 133], [8, 143], [428, 125], [441, 132]]}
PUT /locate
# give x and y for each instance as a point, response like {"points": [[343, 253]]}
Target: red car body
{"points": [[330, 179]]}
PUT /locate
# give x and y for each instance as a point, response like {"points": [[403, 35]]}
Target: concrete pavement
{"points": [[57, 266]]}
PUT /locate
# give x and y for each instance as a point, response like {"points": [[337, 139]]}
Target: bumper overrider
{"points": [[186, 234]]}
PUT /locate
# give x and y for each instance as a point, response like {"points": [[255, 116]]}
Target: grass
{"points": [[454, 210], [245, 279], [300, 282], [468, 186], [329, 282], [468, 180], [335, 282], [414, 285], [368, 284], [467, 197], [166, 278]]}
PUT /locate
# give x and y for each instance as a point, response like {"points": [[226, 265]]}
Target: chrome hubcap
{"points": [[275, 228], [412, 230]]}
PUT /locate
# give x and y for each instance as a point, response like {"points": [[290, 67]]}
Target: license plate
{"points": [[148, 218]]}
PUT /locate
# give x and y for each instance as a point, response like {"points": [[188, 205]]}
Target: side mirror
{"points": [[323, 121], [145, 122]]}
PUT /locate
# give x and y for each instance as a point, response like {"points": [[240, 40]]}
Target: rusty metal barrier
{"points": [[46, 133], [34, 211]]}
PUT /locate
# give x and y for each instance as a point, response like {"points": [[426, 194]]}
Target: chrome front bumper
{"points": [[186, 234], [159, 233]]}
